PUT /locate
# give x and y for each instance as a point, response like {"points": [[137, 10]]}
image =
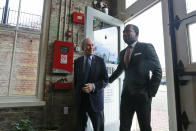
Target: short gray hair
{"points": [[84, 42]]}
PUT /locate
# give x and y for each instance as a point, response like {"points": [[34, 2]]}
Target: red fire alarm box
{"points": [[63, 57], [62, 85], [78, 17]]}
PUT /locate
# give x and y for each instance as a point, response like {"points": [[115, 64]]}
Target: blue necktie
{"points": [[87, 68]]}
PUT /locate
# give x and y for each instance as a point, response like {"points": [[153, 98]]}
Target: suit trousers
{"points": [[97, 118], [142, 107]]}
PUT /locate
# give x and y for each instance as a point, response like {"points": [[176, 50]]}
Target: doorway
{"points": [[151, 31]]}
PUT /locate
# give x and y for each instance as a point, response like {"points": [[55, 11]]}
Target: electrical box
{"points": [[62, 85], [63, 57], [78, 17]]}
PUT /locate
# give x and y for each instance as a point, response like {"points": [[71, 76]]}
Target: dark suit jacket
{"points": [[98, 76], [137, 76]]}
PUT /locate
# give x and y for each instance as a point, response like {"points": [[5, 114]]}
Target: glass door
{"points": [[106, 32]]}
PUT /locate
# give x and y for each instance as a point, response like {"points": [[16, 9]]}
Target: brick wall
{"points": [[9, 116], [25, 62], [57, 100], [6, 45], [25, 71]]}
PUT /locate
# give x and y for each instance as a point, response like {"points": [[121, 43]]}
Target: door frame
{"points": [[90, 15], [186, 94]]}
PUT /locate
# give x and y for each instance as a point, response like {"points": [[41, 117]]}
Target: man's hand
{"points": [[87, 88]]}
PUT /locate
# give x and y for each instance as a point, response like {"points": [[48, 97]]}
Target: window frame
{"points": [[37, 99], [182, 37]]}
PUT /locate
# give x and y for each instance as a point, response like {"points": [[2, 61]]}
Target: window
{"points": [[30, 13], [190, 5], [185, 40], [127, 9], [20, 29], [130, 2], [2, 2], [192, 41]]}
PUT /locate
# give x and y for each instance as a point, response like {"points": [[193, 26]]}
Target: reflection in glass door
{"points": [[106, 46]]}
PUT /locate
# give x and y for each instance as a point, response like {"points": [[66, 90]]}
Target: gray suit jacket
{"points": [[143, 74]]}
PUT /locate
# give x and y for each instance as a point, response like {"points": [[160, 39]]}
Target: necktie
{"points": [[87, 67], [127, 56]]}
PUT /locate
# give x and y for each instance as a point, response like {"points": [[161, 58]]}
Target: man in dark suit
{"points": [[142, 78], [90, 78]]}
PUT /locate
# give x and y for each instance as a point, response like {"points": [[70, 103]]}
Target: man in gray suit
{"points": [[142, 78]]}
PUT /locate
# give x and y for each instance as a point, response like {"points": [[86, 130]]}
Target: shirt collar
{"points": [[85, 57], [133, 45]]}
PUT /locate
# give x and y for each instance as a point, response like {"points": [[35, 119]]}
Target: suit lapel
{"points": [[81, 68], [122, 57], [136, 49]]}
